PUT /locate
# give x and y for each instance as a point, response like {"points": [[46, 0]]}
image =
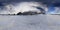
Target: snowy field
{"points": [[30, 22]]}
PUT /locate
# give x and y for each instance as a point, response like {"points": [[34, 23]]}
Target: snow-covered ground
{"points": [[30, 22]]}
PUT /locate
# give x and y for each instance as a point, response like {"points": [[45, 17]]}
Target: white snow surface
{"points": [[30, 22]]}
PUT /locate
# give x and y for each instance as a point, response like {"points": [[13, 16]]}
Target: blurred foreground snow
{"points": [[33, 22]]}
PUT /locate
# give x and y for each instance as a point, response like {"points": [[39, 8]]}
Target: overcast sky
{"points": [[18, 1], [47, 1]]}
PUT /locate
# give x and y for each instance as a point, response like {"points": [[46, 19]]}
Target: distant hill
{"points": [[30, 13]]}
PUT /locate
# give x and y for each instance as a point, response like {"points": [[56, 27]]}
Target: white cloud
{"points": [[22, 7]]}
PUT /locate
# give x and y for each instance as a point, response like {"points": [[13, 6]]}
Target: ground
{"points": [[30, 22]]}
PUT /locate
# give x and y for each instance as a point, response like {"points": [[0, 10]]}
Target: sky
{"points": [[8, 8], [7, 3], [45, 1]]}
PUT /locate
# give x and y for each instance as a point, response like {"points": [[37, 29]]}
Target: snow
{"points": [[30, 22]]}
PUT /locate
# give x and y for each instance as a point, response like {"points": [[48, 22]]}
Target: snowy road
{"points": [[34, 22]]}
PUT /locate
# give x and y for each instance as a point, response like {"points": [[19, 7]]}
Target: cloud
{"points": [[21, 7]]}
